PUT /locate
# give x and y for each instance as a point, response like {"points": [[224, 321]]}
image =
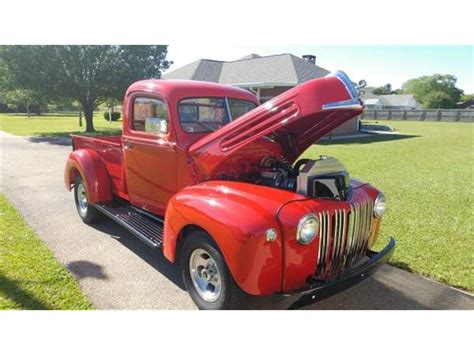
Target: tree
{"points": [[466, 97], [437, 99], [22, 98], [88, 74], [18, 97], [434, 91], [383, 90]]}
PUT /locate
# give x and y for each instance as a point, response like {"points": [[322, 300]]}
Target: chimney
{"points": [[310, 58]]}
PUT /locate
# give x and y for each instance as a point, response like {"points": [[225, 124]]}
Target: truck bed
{"points": [[110, 150]]}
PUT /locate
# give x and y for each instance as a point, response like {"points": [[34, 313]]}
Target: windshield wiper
{"points": [[210, 129]]}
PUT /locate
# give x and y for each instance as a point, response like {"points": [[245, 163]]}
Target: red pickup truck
{"points": [[205, 173]]}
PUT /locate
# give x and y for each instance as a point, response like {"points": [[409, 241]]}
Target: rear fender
{"points": [[237, 221], [90, 166]]}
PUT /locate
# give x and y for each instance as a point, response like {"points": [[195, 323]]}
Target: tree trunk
{"points": [[80, 116], [37, 110], [89, 113], [28, 108]]}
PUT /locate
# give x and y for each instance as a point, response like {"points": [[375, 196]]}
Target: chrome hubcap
{"points": [[82, 199], [205, 275]]}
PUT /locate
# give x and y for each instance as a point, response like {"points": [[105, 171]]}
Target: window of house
{"points": [[150, 116]]}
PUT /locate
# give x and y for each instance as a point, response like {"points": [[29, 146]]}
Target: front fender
{"points": [[90, 166], [236, 215]]}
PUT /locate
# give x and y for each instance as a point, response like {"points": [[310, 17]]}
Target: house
{"points": [[266, 76], [466, 105], [388, 102], [373, 103], [399, 102]]}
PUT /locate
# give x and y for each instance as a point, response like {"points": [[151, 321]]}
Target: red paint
{"points": [[301, 260], [167, 174], [89, 164], [294, 119]]}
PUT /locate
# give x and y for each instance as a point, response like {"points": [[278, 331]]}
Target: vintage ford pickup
{"points": [[205, 173]]}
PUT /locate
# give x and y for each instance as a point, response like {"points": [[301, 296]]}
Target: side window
{"points": [[150, 115]]}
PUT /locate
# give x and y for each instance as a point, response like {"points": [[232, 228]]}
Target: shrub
{"points": [[115, 116]]}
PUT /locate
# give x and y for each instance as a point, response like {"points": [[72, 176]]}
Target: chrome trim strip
{"points": [[346, 81], [346, 104], [353, 102], [320, 240]]}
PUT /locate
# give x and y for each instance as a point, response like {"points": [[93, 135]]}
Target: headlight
{"points": [[379, 205], [307, 229]]}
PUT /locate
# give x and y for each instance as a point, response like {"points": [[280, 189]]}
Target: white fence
{"points": [[420, 115]]}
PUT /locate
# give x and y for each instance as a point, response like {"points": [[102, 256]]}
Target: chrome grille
{"points": [[344, 235]]}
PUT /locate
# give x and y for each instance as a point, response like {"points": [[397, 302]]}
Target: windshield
{"points": [[207, 114]]}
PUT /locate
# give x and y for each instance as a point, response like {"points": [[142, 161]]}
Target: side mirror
{"points": [[361, 84], [156, 125]]}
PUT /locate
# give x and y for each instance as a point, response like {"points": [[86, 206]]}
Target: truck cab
{"points": [[212, 179], [162, 119]]}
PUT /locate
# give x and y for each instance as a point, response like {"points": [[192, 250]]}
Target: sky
{"points": [[378, 65]]}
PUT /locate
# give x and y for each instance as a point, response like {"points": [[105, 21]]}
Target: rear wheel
{"points": [[206, 275], [86, 211]]}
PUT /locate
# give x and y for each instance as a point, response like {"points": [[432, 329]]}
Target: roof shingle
{"points": [[281, 69]]}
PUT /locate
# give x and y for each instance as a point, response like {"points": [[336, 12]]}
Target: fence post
{"points": [[389, 114], [458, 116], [439, 116]]}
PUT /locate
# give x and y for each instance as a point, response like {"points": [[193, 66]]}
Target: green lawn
{"points": [[426, 173], [30, 276], [427, 176], [54, 125]]}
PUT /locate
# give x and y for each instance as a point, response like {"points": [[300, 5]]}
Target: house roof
{"points": [[367, 93], [252, 70], [372, 102], [389, 100], [397, 100], [250, 56]]}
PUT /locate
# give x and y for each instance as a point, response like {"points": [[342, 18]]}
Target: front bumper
{"points": [[317, 290]]}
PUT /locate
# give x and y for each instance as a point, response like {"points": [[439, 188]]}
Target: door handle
{"points": [[127, 145]]}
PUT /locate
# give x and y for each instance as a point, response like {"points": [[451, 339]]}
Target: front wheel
{"points": [[87, 212], [206, 276]]}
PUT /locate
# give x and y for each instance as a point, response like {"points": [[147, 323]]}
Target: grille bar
{"points": [[343, 238], [323, 241]]}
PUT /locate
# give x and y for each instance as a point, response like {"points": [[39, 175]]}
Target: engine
{"points": [[325, 177]]}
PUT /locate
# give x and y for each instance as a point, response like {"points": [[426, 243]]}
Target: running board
{"points": [[147, 228]]}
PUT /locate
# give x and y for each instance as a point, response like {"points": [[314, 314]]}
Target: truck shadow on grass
{"points": [[374, 138]]}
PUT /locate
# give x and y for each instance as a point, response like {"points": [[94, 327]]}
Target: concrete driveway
{"points": [[118, 272]]}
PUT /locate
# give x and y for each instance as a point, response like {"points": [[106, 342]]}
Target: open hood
{"points": [[294, 119]]}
